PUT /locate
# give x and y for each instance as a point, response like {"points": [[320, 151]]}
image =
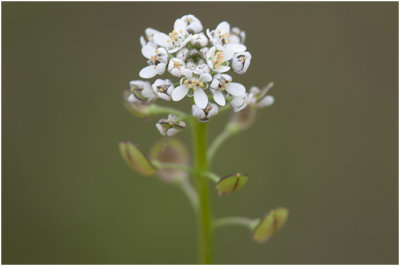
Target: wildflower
{"points": [[175, 66], [199, 40], [221, 36], [170, 126], [148, 37], [163, 88], [204, 114], [241, 62], [201, 68], [158, 59], [176, 39], [192, 24], [195, 83], [183, 53], [239, 103], [217, 59], [140, 91], [222, 83]]}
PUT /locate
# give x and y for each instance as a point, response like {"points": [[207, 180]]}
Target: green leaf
{"points": [[231, 183], [173, 151], [135, 158], [270, 224]]}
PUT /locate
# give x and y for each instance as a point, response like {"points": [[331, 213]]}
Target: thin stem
{"points": [[205, 230], [189, 191], [214, 177], [218, 141], [241, 221]]}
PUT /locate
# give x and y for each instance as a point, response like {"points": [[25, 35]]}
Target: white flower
{"points": [[220, 36], [140, 91], [199, 40], [239, 103], [148, 37], [222, 83], [176, 39], [175, 66], [170, 126], [241, 62], [237, 35], [204, 114], [204, 51], [196, 83], [201, 68], [163, 88], [217, 59], [259, 98], [183, 53], [193, 24], [158, 59]]}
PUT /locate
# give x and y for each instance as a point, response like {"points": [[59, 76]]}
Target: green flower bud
{"points": [[137, 108], [270, 224], [231, 183], [135, 158]]}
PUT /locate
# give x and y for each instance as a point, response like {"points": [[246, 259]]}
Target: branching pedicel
{"points": [[199, 64]]}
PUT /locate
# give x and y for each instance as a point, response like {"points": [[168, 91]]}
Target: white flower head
{"points": [[199, 40], [175, 66], [158, 59], [217, 59], [201, 68], [176, 39], [204, 114], [192, 24], [195, 83], [222, 84], [141, 91], [148, 37], [241, 62], [221, 36], [163, 88], [170, 126], [237, 35]]}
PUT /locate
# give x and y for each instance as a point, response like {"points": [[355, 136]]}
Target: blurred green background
{"points": [[327, 150]]}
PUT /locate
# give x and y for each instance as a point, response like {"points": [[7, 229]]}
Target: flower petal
{"points": [[223, 27], [187, 73], [179, 92], [161, 68], [236, 47], [200, 98], [219, 98], [236, 89], [205, 77], [148, 72], [148, 51], [161, 39]]}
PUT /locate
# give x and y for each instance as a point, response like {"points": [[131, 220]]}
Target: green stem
{"points": [[219, 140], [204, 224], [160, 166], [242, 221], [191, 194]]}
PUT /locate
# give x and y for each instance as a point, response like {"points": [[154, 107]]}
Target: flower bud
{"points": [[170, 150], [135, 158], [204, 114], [270, 224], [199, 40], [237, 35], [241, 62], [231, 183], [135, 106], [175, 66], [171, 126]]}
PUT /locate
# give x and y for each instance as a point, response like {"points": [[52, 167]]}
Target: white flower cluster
{"points": [[200, 61]]}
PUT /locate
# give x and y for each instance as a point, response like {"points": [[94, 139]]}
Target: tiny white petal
{"points": [[223, 27], [267, 101], [179, 93], [187, 73], [219, 98], [160, 68], [236, 47], [200, 98], [148, 51], [148, 72], [161, 39], [205, 77], [236, 89]]}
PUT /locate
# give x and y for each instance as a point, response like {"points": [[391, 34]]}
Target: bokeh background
{"points": [[327, 150]]}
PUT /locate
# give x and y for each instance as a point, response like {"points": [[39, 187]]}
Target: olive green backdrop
{"points": [[327, 150]]}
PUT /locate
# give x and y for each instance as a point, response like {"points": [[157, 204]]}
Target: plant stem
{"points": [[243, 221], [199, 132], [191, 194], [221, 138]]}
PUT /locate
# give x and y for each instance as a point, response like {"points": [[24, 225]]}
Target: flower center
{"points": [[174, 36], [219, 59], [177, 65], [194, 84], [222, 84], [162, 88]]}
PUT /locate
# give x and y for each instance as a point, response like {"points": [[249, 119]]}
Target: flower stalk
{"points": [[204, 220]]}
